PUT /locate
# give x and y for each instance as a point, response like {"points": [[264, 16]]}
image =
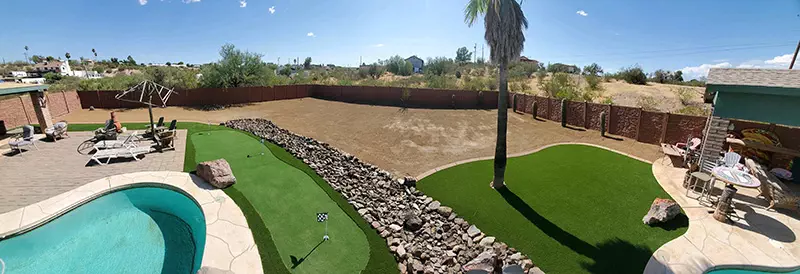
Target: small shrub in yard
{"points": [[608, 100], [441, 82], [345, 82], [473, 84], [491, 83], [561, 86], [684, 94]]}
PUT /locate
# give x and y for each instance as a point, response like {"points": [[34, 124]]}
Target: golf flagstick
{"points": [[323, 218]]}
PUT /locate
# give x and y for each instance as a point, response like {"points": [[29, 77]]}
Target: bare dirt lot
{"points": [[403, 141]]}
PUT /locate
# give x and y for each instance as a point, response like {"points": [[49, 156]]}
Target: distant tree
{"points": [[480, 60], [375, 71], [399, 66], [68, 56], [50, 58], [114, 60], [677, 76], [180, 63], [51, 77], [285, 70], [169, 64], [37, 58], [26, 54], [463, 55], [307, 63], [331, 65], [131, 61], [236, 69], [95, 53], [593, 69], [633, 75], [661, 76]]}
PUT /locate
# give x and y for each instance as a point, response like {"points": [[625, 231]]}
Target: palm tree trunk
{"points": [[502, 125]]}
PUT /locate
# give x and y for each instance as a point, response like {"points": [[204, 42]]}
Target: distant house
{"points": [[527, 60], [17, 74], [417, 63], [53, 66], [31, 80]]}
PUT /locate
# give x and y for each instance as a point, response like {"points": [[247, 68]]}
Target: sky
{"points": [[691, 36]]}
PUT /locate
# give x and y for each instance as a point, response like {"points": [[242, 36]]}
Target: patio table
{"points": [[731, 177]]}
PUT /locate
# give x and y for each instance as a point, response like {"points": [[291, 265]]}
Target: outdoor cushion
{"points": [[20, 143]]}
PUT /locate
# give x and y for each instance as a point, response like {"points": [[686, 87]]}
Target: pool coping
{"points": [[440, 168], [229, 242]]}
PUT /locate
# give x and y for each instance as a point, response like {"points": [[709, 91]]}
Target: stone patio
{"points": [[57, 167], [757, 239]]}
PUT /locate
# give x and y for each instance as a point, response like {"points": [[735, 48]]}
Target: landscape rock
{"points": [[485, 261], [473, 231], [662, 210], [433, 206], [445, 211], [412, 222], [487, 241], [217, 173]]}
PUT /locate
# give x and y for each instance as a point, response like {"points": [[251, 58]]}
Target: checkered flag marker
{"points": [[321, 217]]}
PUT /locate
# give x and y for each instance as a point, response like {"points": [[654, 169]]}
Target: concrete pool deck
{"points": [[229, 241], [758, 239]]}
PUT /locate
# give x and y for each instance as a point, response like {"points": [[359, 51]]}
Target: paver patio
{"points": [[760, 237], [55, 168]]}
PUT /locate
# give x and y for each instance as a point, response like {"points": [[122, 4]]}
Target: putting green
{"points": [[572, 208], [287, 200]]}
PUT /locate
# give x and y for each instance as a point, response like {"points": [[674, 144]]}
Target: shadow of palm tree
{"points": [[611, 256]]}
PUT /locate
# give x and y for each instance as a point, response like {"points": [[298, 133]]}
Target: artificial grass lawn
{"points": [[287, 200], [571, 208]]}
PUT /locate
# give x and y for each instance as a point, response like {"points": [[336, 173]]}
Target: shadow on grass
{"points": [[611, 256], [296, 262], [679, 221]]}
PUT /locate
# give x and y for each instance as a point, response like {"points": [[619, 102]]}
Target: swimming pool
{"points": [[138, 229]]}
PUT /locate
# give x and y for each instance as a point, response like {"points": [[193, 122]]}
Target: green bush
{"points": [[51, 77], [685, 95], [592, 82], [285, 70], [441, 82], [439, 66], [399, 66], [118, 82], [633, 75], [694, 110], [475, 84], [173, 77], [66, 84], [458, 74], [648, 103], [236, 69]]}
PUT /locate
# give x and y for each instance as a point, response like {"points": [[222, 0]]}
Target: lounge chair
{"points": [[122, 152], [159, 126], [57, 131], [25, 140], [127, 142]]}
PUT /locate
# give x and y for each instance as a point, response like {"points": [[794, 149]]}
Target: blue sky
{"points": [[687, 35]]}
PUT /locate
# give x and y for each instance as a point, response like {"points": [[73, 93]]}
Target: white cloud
{"points": [[378, 45], [581, 13], [272, 10], [142, 2], [311, 34], [242, 4], [702, 70], [780, 60], [190, 1]]}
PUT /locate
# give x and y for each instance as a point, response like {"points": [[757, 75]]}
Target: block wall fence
{"points": [[18, 111], [634, 123]]}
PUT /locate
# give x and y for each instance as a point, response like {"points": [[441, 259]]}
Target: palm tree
{"points": [[26, 54], [505, 24], [95, 54]]}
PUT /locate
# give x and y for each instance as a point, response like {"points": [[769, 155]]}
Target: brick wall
{"points": [[18, 111]]}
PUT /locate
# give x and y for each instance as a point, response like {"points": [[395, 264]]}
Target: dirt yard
{"points": [[403, 141]]}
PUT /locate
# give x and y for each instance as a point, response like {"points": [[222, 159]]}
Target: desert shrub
{"points": [[279, 80], [607, 100], [593, 69], [51, 77], [458, 74], [65, 84], [399, 66], [345, 82], [285, 71], [561, 86], [118, 82], [559, 67], [522, 70], [439, 66], [648, 103], [442, 82], [694, 110], [491, 83], [413, 81], [633, 75], [519, 87], [473, 83], [592, 82], [684, 94], [173, 77], [363, 72], [375, 71]]}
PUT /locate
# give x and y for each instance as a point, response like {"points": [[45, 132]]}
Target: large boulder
{"points": [[662, 210], [217, 172], [485, 261], [412, 222]]}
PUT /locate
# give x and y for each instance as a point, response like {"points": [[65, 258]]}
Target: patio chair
{"points": [[57, 131], [167, 137], [730, 159], [688, 150], [158, 126], [127, 142], [107, 132], [25, 140], [122, 152], [773, 189]]}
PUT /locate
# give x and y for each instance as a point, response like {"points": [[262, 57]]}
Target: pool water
{"points": [[136, 230]]}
